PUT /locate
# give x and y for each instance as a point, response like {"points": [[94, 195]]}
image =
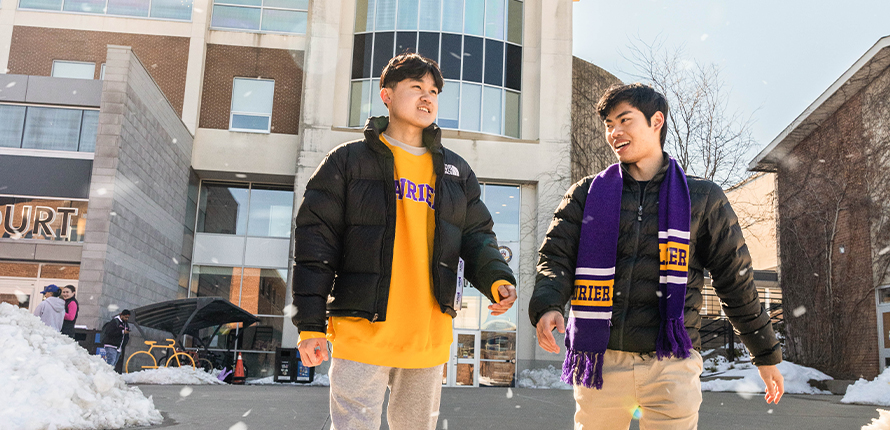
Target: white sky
{"points": [[776, 56]]}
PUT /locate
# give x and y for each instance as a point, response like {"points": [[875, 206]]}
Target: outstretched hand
{"points": [[313, 351], [775, 383], [507, 295], [546, 324]]}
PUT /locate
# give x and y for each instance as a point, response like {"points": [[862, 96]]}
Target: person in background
{"points": [[71, 310], [115, 335], [52, 309]]}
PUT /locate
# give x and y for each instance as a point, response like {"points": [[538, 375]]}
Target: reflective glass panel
{"points": [[492, 110], [453, 16], [287, 4], [359, 104], [128, 7], [514, 21], [452, 53], [209, 281], [251, 122], [470, 106], [263, 291], [263, 336], [88, 130], [428, 45], [512, 115], [364, 15], [171, 9], [468, 314], [377, 106], [430, 11], [473, 59], [405, 42], [386, 15], [284, 21], [270, 211], [384, 44], [513, 75], [242, 18], [73, 70], [884, 294], [494, 62], [503, 203], [41, 4], [12, 124], [474, 11], [85, 6], [252, 96], [222, 208], [449, 105], [240, 2], [498, 354], [466, 346], [361, 55], [464, 374], [21, 301], [51, 128], [494, 19], [407, 15]]}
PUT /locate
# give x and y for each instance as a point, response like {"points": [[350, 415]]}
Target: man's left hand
{"points": [[775, 383], [507, 295]]}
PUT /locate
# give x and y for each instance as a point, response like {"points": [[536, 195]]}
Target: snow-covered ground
{"points": [[318, 381], [742, 377], [172, 376], [882, 422], [47, 381], [542, 378], [875, 392]]}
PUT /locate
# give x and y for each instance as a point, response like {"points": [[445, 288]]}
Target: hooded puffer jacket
{"points": [[716, 244], [345, 230]]}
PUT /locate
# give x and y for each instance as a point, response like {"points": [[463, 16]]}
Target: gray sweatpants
{"points": [[358, 390]]}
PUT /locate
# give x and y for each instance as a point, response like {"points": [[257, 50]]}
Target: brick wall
{"points": [[223, 63], [825, 249], [33, 50], [590, 151]]}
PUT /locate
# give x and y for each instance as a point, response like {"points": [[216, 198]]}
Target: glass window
{"points": [[386, 15], [513, 77], [405, 42], [452, 55], [287, 4], [240, 2], [428, 45], [473, 47], [494, 62], [241, 18], [468, 314], [364, 15], [453, 16], [384, 43], [284, 21], [88, 131], [263, 291], [514, 21], [252, 104], [12, 124], [171, 9], [222, 208], [359, 104], [470, 106], [128, 7], [377, 106], [73, 69], [407, 15], [271, 209], [102, 72], [41, 4], [449, 105], [50, 128], [494, 19], [512, 115], [884, 294], [85, 6], [491, 110], [474, 12], [503, 203], [209, 281], [430, 14], [263, 336], [361, 56]]}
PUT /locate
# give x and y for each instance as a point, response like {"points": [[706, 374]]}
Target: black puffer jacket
{"points": [[716, 244], [345, 229]]}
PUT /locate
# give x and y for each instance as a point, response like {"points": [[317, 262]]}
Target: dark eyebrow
{"points": [[621, 115]]}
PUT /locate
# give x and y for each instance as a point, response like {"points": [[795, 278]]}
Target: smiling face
{"points": [[413, 102], [67, 294], [631, 136]]}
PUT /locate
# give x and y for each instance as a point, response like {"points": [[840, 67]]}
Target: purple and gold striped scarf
{"points": [[587, 331]]}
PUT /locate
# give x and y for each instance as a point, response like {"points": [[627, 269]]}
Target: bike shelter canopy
{"points": [[188, 316]]}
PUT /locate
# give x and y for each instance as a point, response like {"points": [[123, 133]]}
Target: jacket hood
{"points": [[56, 303], [432, 135]]}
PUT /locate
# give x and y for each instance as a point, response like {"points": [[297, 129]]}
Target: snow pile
{"points": [[172, 376], [880, 423], [748, 379], [875, 392], [42, 370], [318, 381], [542, 378]]}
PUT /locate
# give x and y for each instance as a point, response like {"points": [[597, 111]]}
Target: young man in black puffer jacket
{"points": [[635, 280], [380, 235]]}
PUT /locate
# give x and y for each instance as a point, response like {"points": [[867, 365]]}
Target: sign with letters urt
{"points": [[42, 219]]}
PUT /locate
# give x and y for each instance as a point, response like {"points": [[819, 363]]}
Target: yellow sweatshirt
{"points": [[416, 334]]}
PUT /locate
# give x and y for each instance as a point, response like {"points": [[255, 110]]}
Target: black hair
{"points": [[640, 96], [125, 312], [410, 66], [71, 287], [57, 293]]}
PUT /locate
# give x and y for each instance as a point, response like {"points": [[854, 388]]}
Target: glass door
{"points": [[884, 325], [19, 292], [463, 367]]}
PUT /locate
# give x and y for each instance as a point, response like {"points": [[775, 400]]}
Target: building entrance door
{"points": [[462, 369], [884, 325], [21, 292]]}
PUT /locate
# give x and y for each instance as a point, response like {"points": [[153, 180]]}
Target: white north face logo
{"points": [[450, 169]]}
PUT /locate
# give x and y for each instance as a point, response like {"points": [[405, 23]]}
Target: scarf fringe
{"points": [[583, 368], [673, 340]]}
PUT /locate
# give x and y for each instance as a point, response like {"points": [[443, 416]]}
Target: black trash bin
{"points": [[289, 368]]}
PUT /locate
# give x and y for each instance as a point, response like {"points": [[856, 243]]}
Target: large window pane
{"points": [[470, 106], [86, 6], [494, 62], [494, 19], [225, 282], [492, 110], [428, 45], [263, 336], [241, 122], [405, 42], [222, 208], [285, 21], [513, 75], [12, 124], [503, 203], [252, 96], [88, 130], [364, 15], [468, 314], [377, 106], [500, 347], [512, 118], [128, 7], [386, 15], [449, 105], [361, 56], [73, 69], [514, 21], [407, 15], [242, 18], [171, 9], [430, 14], [473, 58], [287, 4], [384, 43], [270, 212], [474, 13], [263, 291], [359, 104], [41, 4], [51, 128], [240, 2], [453, 16], [452, 53]]}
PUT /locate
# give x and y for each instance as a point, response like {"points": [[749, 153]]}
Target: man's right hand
{"points": [[546, 324], [313, 351]]}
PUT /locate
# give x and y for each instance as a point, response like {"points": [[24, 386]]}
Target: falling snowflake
{"points": [[185, 392], [798, 311]]}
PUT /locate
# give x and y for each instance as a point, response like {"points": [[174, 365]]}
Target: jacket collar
{"points": [[659, 176], [432, 135]]}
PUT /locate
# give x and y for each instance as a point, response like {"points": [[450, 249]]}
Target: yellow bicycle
{"points": [[178, 359]]}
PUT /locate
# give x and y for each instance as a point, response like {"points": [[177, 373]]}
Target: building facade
{"points": [[202, 152]]}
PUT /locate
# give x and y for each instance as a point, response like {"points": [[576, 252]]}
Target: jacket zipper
{"points": [[625, 305], [434, 270], [389, 171]]}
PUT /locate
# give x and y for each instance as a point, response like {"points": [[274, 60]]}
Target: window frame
{"points": [[233, 112], [262, 8], [55, 62], [149, 17]]}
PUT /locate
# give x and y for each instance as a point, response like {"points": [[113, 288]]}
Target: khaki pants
{"points": [[668, 393], [358, 389]]}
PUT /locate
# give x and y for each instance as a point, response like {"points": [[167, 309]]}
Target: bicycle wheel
{"points": [[140, 360], [205, 365], [180, 359]]}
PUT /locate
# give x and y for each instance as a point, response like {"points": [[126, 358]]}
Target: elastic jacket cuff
{"points": [[494, 289], [311, 335]]}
